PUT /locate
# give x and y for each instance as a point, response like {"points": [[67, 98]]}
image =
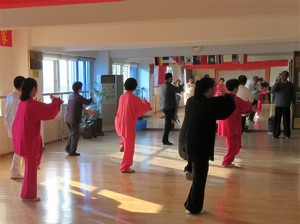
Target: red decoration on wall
{"points": [[151, 67], [248, 65], [6, 38], [9, 4], [161, 74]]}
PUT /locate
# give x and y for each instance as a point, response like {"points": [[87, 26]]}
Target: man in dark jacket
{"points": [[73, 117], [197, 136], [284, 97], [168, 104]]}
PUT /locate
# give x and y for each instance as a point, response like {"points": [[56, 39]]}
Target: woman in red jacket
{"points": [[231, 128], [130, 108], [27, 139]]}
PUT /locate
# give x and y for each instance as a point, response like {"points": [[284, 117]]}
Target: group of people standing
{"points": [[228, 105], [196, 139], [23, 118]]}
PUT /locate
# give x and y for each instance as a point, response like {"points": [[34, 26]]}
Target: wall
{"points": [[199, 73], [13, 62]]}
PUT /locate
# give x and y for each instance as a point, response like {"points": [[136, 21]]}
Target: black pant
{"points": [[243, 123], [73, 138], [194, 202], [252, 113], [169, 115], [286, 114]]}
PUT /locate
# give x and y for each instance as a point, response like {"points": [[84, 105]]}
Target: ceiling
{"points": [[162, 25]]}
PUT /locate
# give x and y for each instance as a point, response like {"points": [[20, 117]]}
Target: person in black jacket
{"points": [[284, 97], [168, 104], [197, 136], [73, 117]]}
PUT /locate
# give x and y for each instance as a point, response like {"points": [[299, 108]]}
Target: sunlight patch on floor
{"points": [[60, 183], [132, 204]]}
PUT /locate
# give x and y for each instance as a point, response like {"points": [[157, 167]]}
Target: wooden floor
{"points": [[90, 188]]}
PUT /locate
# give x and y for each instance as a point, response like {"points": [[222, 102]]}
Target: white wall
{"points": [[13, 62], [274, 73]]}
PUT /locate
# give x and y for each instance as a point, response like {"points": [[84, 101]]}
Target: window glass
{"points": [[60, 74], [48, 76]]}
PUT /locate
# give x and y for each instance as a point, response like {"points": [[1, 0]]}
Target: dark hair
{"points": [[264, 84], [231, 84], [18, 81], [130, 84], [168, 75], [28, 85], [242, 79], [285, 72], [203, 85], [221, 79], [76, 86]]}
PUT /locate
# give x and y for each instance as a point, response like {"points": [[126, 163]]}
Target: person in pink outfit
{"points": [[130, 108], [27, 139], [231, 128], [220, 88]]}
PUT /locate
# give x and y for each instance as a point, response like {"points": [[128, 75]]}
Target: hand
{"points": [[57, 99], [91, 94]]}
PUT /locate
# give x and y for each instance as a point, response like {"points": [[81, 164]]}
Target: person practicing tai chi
{"points": [[129, 110], [197, 137], [73, 117], [26, 135], [231, 128], [12, 101], [168, 105]]}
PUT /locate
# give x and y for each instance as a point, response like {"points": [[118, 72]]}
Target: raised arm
{"points": [[43, 111]]}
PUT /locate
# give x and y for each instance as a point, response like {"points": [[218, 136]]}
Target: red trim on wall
{"points": [[9, 4], [248, 65]]}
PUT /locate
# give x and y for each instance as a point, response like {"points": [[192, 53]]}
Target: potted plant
{"points": [[88, 123], [99, 95]]}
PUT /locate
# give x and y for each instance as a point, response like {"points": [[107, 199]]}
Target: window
{"points": [[60, 72], [127, 70]]}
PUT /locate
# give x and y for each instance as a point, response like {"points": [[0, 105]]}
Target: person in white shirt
{"points": [[12, 101], [255, 89], [245, 94], [189, 90]]}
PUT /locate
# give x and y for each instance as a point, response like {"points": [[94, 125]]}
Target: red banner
{"points": [[6, 38], [9, 4]]}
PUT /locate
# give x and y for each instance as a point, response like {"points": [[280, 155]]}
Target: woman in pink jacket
{"points": [[27, 139], [231, 128], [130, 108]]}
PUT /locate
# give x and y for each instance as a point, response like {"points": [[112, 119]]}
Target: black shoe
{"points": [[167, 143], [74, 154], [275, 137], [67, 149]]}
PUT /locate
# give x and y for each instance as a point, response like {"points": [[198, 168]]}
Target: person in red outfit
{"points": [[231, 128], [130, 108], [27, 139], [220, 88]]}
